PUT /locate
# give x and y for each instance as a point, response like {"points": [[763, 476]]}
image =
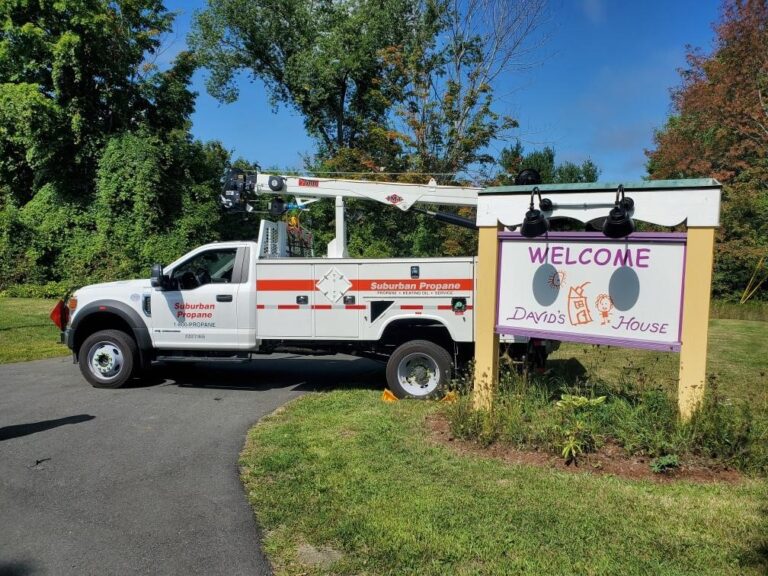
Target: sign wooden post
{"points": [[521, 299], [486, 337], [693, 354]]}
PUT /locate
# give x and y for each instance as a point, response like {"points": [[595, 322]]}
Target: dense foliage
{"points": [[719, 128], [320, 58], [406, 85], [99, 175]]}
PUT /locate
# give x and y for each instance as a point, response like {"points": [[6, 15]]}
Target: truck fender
{"points": [[406, 317], [122, 311]]}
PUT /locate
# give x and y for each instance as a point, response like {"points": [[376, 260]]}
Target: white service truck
{"points": [[233, 300]]}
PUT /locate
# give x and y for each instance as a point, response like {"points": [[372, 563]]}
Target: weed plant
{"points": [[575, 416]]}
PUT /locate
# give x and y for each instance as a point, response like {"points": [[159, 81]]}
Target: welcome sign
{"points": [[584, 287]]}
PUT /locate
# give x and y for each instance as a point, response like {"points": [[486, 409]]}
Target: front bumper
{"points": [[65, 337]]}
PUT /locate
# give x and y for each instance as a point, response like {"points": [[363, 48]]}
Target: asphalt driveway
{"points": [[142, 480]]}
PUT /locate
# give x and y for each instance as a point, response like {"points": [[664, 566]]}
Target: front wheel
{"points": [[418, 369], [107, 358]]}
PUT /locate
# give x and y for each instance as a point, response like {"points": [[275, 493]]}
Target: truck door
{"points": [[200, 309], [337, 307]]}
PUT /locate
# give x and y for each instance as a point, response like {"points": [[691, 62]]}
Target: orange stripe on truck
{"points": [[285, 285], [373, 285]]}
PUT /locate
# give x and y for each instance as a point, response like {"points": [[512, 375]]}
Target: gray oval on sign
{"points": [[624, 288], [546, 285]]}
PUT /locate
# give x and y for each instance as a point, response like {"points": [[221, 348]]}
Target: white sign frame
{"points": [[585, 287]]}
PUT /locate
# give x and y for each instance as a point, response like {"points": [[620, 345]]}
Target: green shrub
{"points": [[664, 464], [572, 418], [478, 425], [728, 432], [47, 290]]}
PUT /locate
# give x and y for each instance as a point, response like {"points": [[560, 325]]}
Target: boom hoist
{"points": [[240, 191]]}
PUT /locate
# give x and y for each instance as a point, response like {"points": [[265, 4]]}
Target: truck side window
{"points": [[209, 267]]}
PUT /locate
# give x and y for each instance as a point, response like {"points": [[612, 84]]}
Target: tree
{"points": [[719, 128], [153, 202], [320, 58], [76, 71], [444, 77], [513, 160], [99, 175]]}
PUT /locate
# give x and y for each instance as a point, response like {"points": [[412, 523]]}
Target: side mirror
{"points": [[156, 278]]}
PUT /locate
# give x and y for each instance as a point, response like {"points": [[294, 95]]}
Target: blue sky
{"points": [[599, 86]]}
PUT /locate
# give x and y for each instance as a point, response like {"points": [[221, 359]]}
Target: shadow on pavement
{"points": [[15, 568], [306, 374], [8, 432]]}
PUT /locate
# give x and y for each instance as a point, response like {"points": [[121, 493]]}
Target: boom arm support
{"points": [[238, 186], [397, 194]]}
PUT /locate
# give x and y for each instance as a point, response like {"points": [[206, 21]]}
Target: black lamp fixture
{"points": [[535, 222], [619, 224], [528, 177]]}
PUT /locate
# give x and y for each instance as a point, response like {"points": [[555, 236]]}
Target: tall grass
{"points": [[573, 417], [751, 310]]}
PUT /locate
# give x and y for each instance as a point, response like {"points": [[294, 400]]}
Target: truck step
{"points": [[184, 357]]}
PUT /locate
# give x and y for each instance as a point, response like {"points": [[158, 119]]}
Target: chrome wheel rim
{"points": [[105, 360], [418, 374]]}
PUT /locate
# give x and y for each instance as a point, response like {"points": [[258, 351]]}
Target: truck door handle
{"points": [[302, 299], [223, 297]]}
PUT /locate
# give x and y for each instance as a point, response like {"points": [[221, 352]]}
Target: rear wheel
{"points": [[107, 358], [418, 369]]}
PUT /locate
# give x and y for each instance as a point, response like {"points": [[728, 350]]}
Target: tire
{"points": [[108, 358], [419, 369]]}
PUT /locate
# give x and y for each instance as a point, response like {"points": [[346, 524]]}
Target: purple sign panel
{"points": [[584, 287]]}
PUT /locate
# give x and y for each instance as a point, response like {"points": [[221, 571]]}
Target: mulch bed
{"points": [[610, 459]]}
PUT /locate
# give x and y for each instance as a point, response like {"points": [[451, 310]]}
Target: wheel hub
{"points": [[106, 360], [418, 374]]}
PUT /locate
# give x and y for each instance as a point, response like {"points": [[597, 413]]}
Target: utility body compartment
{"points": [[342, 299]]}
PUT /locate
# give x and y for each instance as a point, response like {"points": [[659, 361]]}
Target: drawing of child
{"points": [[604, 306]]}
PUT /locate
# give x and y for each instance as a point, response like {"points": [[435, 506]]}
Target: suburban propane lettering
{"points": [[417, 285], [190, 311], [584, 288]]}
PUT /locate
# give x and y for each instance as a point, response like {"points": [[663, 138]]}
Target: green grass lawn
{"points": [[26, 331], [737, 359], [359, 483], [346, 472]]}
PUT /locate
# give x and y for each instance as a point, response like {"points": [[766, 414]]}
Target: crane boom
{"points": [[239, 188], [399, 194]]}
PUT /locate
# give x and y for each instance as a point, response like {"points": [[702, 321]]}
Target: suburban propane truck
{"points": [[235, 300]]}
